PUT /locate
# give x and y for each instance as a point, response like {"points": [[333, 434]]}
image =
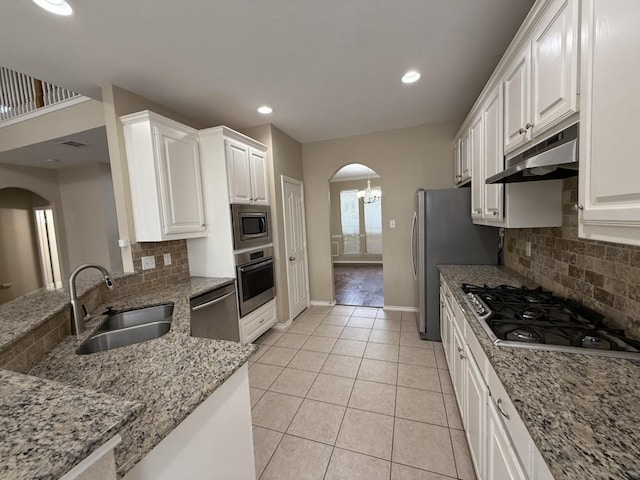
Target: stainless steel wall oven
{"points": [[254, 271]]}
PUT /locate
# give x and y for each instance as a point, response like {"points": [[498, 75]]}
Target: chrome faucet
{"points": [[79, 317]]}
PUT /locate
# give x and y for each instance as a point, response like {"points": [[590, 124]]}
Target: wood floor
{"points": [[358, 285]]}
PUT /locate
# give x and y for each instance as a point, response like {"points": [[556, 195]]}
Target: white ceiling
{"points": [[36, 155], [329, 68]]}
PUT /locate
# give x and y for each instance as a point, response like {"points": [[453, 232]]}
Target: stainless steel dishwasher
{"points": [[215, 314]]}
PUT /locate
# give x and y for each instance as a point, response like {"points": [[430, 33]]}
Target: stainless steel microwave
{"points": [[251, 225]]}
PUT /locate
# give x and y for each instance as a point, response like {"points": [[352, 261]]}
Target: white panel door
{"points": [[475, 412], [502, 462], [180, 183], [609, 142], [295, 245], [259, 177], [239, 172], [493, 156], [516, 102], [477, 168], [554, 65]]}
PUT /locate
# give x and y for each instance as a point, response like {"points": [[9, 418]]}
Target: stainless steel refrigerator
{"points": [[443, 234]]}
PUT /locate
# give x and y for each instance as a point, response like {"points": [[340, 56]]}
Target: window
{"points": [[350, 220], [48, 248], [360, 219], [373, 227]]}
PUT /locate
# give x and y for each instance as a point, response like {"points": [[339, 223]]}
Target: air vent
{"points": [[73, 143]]}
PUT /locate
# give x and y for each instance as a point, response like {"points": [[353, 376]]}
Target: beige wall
{"points": [[75, 118], [19, 262], [117, 102], [86, 192], [336, 218], [284, 158], [405, 159]]}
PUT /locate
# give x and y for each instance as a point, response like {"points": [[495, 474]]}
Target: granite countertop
{"points": [[169, 376], [582, 411], [54, 423], [22, 315]]}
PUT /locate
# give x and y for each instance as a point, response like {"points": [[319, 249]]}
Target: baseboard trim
{"points": [[358, 262], [283, 326], [321, 303], [399, 308]]}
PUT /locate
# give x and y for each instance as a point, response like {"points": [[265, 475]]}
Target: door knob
{"points": [[291, 259]]}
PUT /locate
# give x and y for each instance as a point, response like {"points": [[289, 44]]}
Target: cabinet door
{"points": [[475, 412], [457, 166], [493, 156], [180, 183], [459, 367], [502, 462], [465, 166], [609, 144], [554, 65], [259, 180], [516, 102], [239, 172], [476, 159]]}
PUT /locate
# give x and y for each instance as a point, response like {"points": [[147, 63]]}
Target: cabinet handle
{"points": [[502, 412], [477, 210], [261, 321], [447, 295], [528, 126], [521, 131], [292, 259], [460, 350], [494, 213]]}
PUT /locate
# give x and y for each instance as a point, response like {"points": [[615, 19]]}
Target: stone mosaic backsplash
{"points": [[604, 276]]}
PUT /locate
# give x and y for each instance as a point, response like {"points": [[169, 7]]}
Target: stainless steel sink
{"points": [[128, 327], [137, 316]]}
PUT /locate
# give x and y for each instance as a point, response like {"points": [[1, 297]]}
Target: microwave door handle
{"points": [[263, 225]]}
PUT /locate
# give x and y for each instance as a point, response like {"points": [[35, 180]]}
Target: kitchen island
{"points": [[581, 411], [170, 377]]}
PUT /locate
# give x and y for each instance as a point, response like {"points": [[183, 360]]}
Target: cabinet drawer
{"points": [[257, 322], [513, 424]]}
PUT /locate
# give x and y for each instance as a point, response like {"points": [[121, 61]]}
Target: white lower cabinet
{"points": [[257, 322], [500, 445], [502, 461]]}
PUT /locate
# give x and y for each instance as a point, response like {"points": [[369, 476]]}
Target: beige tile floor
{"points": [[353, 393]]}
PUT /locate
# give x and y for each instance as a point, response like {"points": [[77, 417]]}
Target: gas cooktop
{"points": [[536, 319]]}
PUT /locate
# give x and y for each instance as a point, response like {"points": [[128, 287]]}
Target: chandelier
{"points": [[370, 195]]}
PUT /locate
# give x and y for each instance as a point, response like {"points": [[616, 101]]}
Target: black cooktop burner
{"points": [[536, 316]]}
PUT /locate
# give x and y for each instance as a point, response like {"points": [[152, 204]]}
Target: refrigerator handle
{"points": [[414, 266]]}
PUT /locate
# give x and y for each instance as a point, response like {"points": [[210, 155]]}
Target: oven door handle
{"points": [[212, 302], [254, 267]]}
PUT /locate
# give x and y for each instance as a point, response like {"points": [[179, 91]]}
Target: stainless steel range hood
{"points": [[556, 157]]}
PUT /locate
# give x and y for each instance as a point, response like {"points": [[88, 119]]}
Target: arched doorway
{"points": [[355, 193], [28, 244]]}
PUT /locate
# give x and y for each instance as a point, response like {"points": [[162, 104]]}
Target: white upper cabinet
{"points": [[165, 178], [247, 173], [259, 178], [541, 82], [554, 62], [517, 101], [463, 163], [609, 143], [239, 172], [493, 156], [457, 164], [476, 157]]}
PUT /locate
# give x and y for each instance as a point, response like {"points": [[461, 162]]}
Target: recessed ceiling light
{"points": [[410, 77], [52, 160], [265, 110], [59, 7]]}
